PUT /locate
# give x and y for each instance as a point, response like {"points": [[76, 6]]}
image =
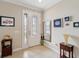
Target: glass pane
{"points": [[47, 26], [47, 30], [25, 26], [34, 25]]}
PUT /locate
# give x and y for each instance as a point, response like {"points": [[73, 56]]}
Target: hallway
{"points": [[35, 52]]}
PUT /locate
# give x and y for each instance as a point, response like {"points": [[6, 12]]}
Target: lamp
{"points": [[66, 36]]}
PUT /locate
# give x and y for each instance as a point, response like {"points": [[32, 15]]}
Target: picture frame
{"points": [[76, 24], [6, 21], [67, 18], [58, 23]]}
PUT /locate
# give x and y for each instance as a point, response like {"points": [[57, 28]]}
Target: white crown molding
{"points": [[24, 5], [31, 6]]}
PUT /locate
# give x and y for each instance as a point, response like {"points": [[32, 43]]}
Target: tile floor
{"points": [[35, 52]]}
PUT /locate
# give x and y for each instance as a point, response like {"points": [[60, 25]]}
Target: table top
{"points": [[69, 45]]}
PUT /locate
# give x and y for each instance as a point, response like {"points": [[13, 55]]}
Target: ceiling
{"points": [[45, 4]]}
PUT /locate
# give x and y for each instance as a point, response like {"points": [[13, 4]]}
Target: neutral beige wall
{"points": [[62, 9], [7, 9]]}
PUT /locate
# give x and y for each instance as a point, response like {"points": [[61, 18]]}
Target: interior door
{"points": [[30, 29], [33, 31], [24, 30]]}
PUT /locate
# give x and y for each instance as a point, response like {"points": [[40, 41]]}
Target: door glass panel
{"points": [[34, 25], [47, 30], [25, 26]]}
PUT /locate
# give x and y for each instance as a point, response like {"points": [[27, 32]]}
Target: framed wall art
{"points": [[6, 21], [76, 24], [67, 18], [58, 23]]}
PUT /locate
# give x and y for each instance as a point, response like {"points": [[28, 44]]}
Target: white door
{"points": [[34, 31], [24, 30], [30, 30]]}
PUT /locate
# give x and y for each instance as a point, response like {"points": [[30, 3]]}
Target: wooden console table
{"points": [[6, 48], [66, 48]]}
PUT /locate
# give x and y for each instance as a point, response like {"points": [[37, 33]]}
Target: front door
{"points": [[31, 31]]}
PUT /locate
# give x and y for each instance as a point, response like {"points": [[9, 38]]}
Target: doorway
{"points": [[30, 30]]}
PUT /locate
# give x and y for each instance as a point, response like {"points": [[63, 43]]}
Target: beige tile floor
{"points": [[35, 52]]}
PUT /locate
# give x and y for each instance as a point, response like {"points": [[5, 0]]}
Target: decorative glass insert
{"points": [[34, 25]]}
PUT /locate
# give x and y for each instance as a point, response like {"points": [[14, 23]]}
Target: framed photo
{"points": [[7, 21], [67, 18], [57, 23], [76, 24]]}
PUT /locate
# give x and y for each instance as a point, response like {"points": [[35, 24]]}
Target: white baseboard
{"points": [[51, 46], [18, 49], [15, 50]]}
